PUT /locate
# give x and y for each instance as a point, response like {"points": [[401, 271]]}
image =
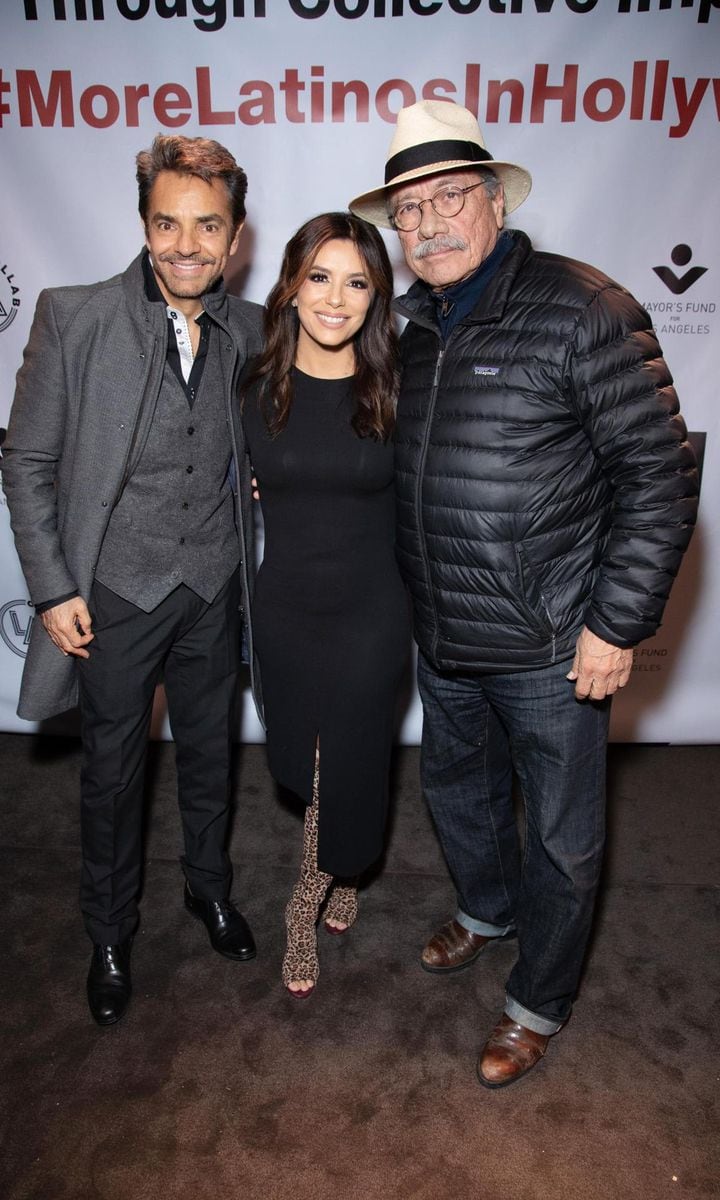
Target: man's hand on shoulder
{"points": [[70, 626], [599, 668]]}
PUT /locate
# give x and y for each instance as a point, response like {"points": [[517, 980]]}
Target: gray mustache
{"points": [[443, 241]]}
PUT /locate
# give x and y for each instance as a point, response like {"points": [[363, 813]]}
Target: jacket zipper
{"points": [[553, 636], [523, 566], [418, 492]]}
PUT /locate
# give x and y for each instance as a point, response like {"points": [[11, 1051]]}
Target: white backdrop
{"points": [[611, 104]]}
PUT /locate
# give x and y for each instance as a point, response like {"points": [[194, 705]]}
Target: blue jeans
{"points": [[476, 729]]}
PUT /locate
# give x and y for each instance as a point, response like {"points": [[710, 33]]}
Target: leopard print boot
{"points": [[342, 906], [300, 964]]}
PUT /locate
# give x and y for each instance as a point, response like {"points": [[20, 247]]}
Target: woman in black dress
{"points": [[330, 616]]}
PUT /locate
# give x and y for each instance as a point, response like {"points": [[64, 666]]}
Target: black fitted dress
{"points": [[330, 615]]}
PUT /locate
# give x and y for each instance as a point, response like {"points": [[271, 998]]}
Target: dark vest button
{"points": [[189, 470], [185, 504], [191, 429]]}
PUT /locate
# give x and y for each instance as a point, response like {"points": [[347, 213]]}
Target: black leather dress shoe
{"points": [[108, 982], [229, 932]]}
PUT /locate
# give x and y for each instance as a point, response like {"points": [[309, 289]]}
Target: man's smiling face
{"points": [[189, 236]]}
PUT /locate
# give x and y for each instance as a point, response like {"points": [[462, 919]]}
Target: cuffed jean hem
{"points": [[482, 927], [529, 1019]]}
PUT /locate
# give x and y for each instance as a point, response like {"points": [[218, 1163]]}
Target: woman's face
{"points": [[332, 302]]}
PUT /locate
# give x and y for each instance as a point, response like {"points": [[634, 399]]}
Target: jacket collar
{"points": [[215, 302], [418, 304]]}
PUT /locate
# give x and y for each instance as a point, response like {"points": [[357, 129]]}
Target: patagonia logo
{"points": [[479, 369]]}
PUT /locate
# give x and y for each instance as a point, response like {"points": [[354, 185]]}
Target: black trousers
{"points": [[194, 647]]}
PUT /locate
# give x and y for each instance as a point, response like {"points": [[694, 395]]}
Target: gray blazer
{"points": [[84, 401]]}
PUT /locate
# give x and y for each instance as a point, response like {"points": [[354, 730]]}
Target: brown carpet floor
{"points": [[218, 1085]]}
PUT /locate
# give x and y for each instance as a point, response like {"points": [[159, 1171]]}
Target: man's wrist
{"points": [[46, 604]]}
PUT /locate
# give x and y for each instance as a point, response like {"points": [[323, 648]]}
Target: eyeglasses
{"points": [[447, 201]]}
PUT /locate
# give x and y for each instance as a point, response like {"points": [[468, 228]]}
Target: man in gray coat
{"points": [[129, 500]]}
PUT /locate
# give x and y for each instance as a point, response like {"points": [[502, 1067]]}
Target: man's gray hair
{"points": [[491, 181]]}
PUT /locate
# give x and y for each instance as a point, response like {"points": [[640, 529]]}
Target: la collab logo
{"points": [[16, 618], [9, 297]]}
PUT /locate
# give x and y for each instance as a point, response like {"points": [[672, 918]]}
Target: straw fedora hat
{"points": [[432, 136]]}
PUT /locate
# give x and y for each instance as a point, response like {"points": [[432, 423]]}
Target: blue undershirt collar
{"points": [[457, 301]]}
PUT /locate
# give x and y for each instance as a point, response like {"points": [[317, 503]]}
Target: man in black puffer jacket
{"points": [[546, 494]]}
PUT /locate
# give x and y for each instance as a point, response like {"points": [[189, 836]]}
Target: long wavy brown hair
{"points": [[375, 382]]}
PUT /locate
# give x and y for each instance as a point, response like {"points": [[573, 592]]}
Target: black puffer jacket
{"points": [[543, 476]]}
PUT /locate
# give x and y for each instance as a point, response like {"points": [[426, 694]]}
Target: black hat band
{"points": [[429, 153]]}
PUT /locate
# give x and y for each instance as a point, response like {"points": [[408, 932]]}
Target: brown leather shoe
{"points": [[509, 1053], [452, 949]]}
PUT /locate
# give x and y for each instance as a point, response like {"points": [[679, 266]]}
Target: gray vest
{"points": [[174, 522]]}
